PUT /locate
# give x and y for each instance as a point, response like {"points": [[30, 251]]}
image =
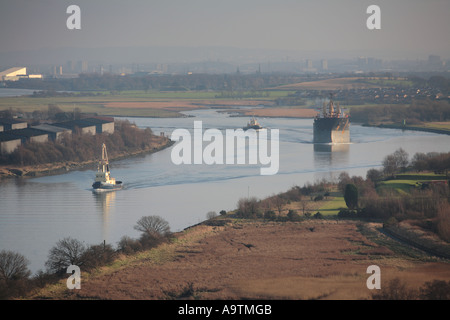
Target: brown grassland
{"points": [[256, 259], [278, 112], [331, 84]]}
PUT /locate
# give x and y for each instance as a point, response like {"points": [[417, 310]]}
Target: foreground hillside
{"points": [[257, 259]]}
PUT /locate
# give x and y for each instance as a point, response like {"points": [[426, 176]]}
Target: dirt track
{"points": [[259, 260]]}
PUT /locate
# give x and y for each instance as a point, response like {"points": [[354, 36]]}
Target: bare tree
{"points": [[279, 203], [211, 215], [154, 226], [66, 252], [13, 266]]}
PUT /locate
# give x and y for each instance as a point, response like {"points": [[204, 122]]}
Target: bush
{"points": [[98, 255], [318, 198], [435, 290], [390, 222], [293, 215], [345, 213], [351, 196], [270, 215], [318, 215], [128, 245]]}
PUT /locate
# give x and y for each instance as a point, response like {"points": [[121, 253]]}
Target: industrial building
{"points": [[9, 142], [30, 135], [17, 73], [17, 132], [102, 124], [55, 133], [12, 124], [76, 126], [13, 74]]}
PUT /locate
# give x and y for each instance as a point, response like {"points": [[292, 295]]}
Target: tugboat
{"points": [[103, 179], [253, 124]]}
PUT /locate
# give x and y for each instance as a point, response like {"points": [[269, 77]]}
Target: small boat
{"points": [[103, 179], [253, 124]]}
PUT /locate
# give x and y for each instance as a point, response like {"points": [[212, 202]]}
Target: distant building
{"points": [[12, 124], [55, 133], [102, 124], [324, 64], [9, 142], [81, 126], [30, 135], [13, 74]]}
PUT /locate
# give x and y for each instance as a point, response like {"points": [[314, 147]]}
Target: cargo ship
{"points": [[331, 125]]}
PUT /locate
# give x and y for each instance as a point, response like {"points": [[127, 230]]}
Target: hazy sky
{"points": [[409, 28]]}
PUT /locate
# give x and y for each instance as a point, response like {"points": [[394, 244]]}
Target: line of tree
{"points": [[418, 112], [16, 279], [117, 83]]}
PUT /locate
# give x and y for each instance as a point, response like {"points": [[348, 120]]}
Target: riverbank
{"points": [[413, 128], [17, 171]]}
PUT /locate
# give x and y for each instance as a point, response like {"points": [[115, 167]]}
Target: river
{"points": [[35, 213]]}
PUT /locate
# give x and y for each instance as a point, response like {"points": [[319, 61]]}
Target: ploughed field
{"points": [[312, 259]]}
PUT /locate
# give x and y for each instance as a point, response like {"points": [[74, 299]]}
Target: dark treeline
{"points": [[112, 83], [418, 112], [79, 147]]}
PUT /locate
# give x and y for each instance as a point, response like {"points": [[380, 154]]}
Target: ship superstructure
{"points": [[103, 179], [331, 125]]}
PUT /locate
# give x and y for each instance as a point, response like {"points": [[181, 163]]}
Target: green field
{"points": [[332, 206], [406, 182], [402, 184]]}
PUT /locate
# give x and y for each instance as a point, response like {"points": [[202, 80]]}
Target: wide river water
{"points": [[35, 213]]}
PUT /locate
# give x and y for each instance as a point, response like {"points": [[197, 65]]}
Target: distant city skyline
{"points": [[326, 29]]}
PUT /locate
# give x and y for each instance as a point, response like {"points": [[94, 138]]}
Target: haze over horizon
{"points": [[176, 30]]}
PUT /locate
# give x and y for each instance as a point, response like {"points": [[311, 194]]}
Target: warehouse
{"points": [[76, 126], [102, 124], [9, 142], [30, 135], [13, 74], [55, 133], [12, 124]]}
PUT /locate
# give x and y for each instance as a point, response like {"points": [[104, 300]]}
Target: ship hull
{"points": [[100, 187], [331, 130], [257, 128]]}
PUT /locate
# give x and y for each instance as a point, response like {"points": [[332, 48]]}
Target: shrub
{"points": [[293, 215], [98, 255], [345, 213], [270, 215], [351, 196], [318, 198], [128, 245]]}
